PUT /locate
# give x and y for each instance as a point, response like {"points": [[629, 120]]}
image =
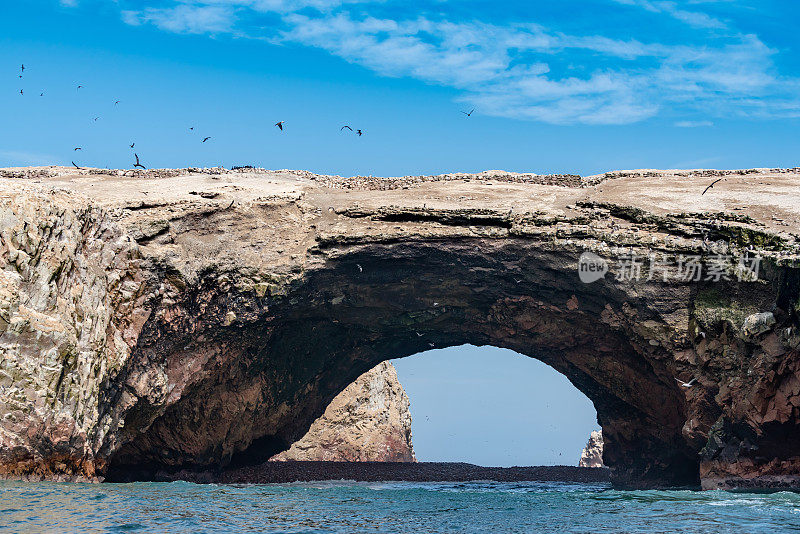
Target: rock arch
{"points": [[245, 317]]}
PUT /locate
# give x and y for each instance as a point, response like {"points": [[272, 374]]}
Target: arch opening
{"points": [[493, 407]]}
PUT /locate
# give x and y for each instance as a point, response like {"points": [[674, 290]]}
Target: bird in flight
{"points": [[117, 102], [42, 94], [359, 133], [132, 144], [137, 164], [686, 384], [206, 139], [21, 92], [75, 165], [468, 114], [345, 126], [22, 69], [191, 128], [79, 87], [95, 119], [279, 124], [77, 148], [710, 186]]}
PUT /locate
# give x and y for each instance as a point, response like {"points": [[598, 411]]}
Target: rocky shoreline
{"points": [[308, 471]]}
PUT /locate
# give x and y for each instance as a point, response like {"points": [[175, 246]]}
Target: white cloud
{"points": [[185, 18], [695, 19], [694, 124], [521, 70]]}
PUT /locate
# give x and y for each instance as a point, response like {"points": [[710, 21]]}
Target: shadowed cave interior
{"points": [[270, 377]]}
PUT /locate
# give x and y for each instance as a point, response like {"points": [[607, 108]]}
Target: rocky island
{"points": [[178, 320]]}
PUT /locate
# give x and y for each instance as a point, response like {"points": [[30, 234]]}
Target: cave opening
{"points": [[493, 407]]}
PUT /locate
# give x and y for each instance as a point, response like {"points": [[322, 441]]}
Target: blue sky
{"points": [[570, 86], [493, 407]]}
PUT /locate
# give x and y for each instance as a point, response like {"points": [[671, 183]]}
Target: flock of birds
{"points": [[280, 125]]}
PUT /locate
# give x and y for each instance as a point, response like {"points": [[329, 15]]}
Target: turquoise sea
{"points": [[350, 507]]}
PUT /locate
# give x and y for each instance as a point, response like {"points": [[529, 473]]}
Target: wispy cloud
{"points": [[695, 19], [520, 71], [185, 18], [694, 124]]}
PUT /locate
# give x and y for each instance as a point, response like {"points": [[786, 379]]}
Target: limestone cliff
{"points": [[187, 319], [369, 421], [592, 454]]}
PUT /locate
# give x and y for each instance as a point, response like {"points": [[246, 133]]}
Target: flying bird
{"points": [[279, 124], [345, 126], [79, 87], [468, 114], [41, 94], [77, 148], [710, 186], [359, 132], [21, 92], [22, 69], [360, 268], [137, 164], [95, 119], [132, 144], [117, 102], [75, 165], [206, 139], [686, 384], [191, 128]]}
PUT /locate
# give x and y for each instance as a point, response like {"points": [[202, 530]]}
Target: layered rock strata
{"points": [[197, 319]]}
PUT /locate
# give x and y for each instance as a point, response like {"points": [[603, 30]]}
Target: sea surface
{"points": [[351, 507]]}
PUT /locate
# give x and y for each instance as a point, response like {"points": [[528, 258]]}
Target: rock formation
{"points": [[592, 454], [196, 319], [369, 421]]}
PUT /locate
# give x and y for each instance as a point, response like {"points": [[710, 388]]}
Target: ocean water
{"points": [[350, 507]]}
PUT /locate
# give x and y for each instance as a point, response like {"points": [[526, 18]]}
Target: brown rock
{"points": [[592, 454], [369, 421], [145, 329]]}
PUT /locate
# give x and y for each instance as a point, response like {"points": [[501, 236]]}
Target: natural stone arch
{"points": [[147, 326], [369, 304]]}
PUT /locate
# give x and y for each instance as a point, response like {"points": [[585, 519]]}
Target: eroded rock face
{"points": [[187, 319], [369, 421], [592, 454]]}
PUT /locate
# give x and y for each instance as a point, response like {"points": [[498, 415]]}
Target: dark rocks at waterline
{"points": [[306, 471]]}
